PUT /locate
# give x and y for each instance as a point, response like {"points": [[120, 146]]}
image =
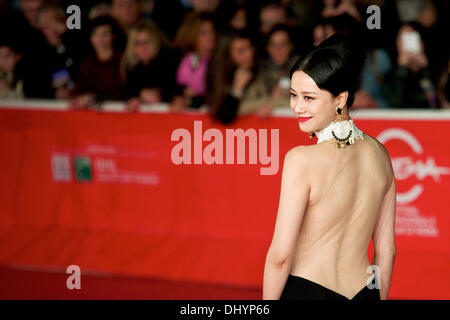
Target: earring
{"points": [[311, 135], [342, 142], [339, 115]]}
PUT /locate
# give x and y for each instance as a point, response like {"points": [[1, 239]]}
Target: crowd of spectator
{"points": [[233, 56]]}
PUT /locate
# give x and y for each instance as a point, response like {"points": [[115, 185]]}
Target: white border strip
{"points": [[119, 107]]}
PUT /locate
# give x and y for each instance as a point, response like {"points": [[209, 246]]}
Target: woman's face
{"points": [[102, 38], [51, 27], [145, 46], [239, 20], [206, 37], [8, 59], [308, 100], [241, 52], [279, 47], [125, 11]]}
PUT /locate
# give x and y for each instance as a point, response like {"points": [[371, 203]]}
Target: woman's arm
{"points": [[293, 200], [384, 240]]}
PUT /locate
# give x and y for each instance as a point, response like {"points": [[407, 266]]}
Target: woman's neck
{"points": [[105, 55], [344, 129], [202, 53], [147, 61], [345, 115]]}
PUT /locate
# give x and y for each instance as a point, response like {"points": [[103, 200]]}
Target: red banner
{"points": [[107, 192]]}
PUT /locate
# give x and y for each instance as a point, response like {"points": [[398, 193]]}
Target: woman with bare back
{"points": [[336, 194]]}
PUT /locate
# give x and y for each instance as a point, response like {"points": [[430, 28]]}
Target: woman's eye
{"points": [[307, 98], [292, 94]]}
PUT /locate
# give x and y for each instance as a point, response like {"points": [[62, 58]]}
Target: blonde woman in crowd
{"points": [[149, 69]]}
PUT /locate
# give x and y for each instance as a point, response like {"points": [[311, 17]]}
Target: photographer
{"points": [[409, 84]]}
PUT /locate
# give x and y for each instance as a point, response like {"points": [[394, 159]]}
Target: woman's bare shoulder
{"points": [[379, 146], [302, 151], [305, 155], [381, 150]]}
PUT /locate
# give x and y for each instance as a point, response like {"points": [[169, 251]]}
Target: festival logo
{"points": [[102, 164], [417, 166]]}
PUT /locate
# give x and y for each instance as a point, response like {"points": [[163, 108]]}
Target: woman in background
{"points": [[409, 84], [99, 75], [196, 39], [271, 88], [149, 68], [231, 71], [11, 73]]}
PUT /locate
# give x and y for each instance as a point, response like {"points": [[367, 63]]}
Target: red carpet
{"points": [[18, 283]]}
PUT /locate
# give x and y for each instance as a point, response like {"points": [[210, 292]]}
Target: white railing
{"points": [[117, 106]]}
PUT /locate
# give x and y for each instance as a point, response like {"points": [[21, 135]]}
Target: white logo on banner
{"points": [[61, 167], [409, 220], [404, 167]]}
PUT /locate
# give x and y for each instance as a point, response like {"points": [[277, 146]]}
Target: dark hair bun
{"points": [[349, 47], [335, 65]]}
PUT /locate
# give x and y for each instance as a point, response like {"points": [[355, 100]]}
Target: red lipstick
{"points": [[303, 119]]}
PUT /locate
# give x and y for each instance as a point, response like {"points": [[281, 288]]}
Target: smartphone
{"points": [[411, 41]]}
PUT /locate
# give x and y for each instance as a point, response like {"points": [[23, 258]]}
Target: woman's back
{"points": [[347, 188], [333, 197]]}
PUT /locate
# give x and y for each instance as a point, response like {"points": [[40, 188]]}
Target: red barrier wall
{"points": [[100, 190]]}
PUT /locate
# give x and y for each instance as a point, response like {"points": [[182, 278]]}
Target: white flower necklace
{"points": [[341, 133]]}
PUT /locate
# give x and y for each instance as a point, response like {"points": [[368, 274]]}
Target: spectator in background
{"points": [[64, 49], [205, 5], [372, 87], [444, 87], [11, 79], [100, 9], [302, 12], [333, 8], [21, 27], [147, 9], [126, 13], [149, 69], [99, 75], [409, 10], [30, 10], [231, 71], [322, 31], [234, 15], [196, 39], [271, 88], [270, 14], [371, 91], [409, 84], [433, 21], [169, 14], [238, 18]]}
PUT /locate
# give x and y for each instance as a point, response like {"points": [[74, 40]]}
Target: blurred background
{"points": [[99, 190], [188, 52]]}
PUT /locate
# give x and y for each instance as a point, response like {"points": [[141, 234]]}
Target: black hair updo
{"points": [[335, 65]]}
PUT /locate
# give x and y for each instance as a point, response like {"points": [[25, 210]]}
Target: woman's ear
{"points": [[342, 99]]}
